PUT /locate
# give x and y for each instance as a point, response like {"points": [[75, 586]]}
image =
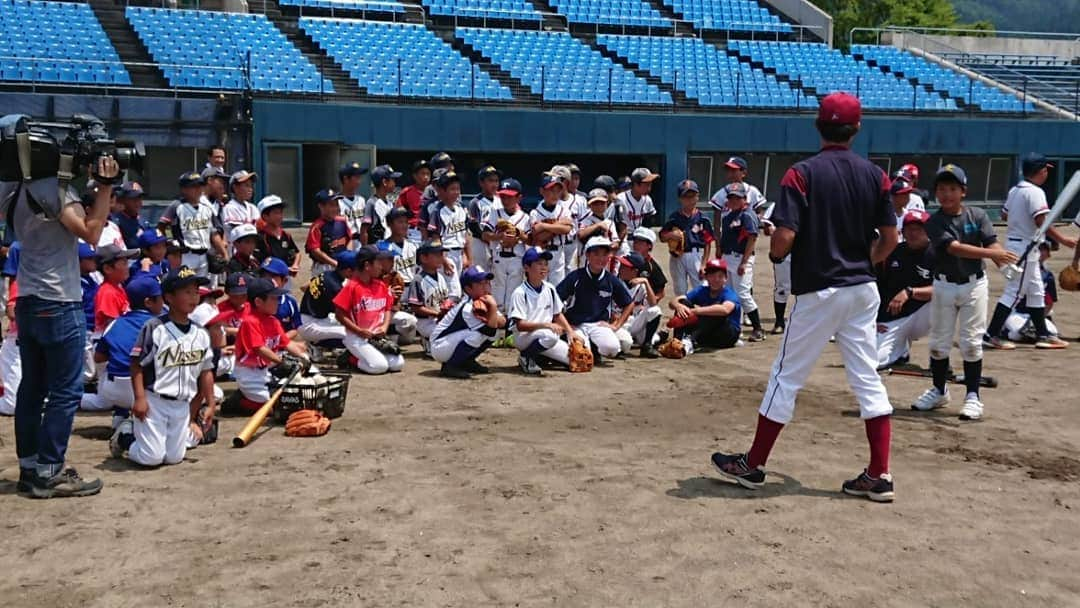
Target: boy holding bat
{"points": [[259, 344]]}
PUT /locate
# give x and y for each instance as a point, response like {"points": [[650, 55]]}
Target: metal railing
{"points": [[958, 31], [483, 20], [353, 9]]}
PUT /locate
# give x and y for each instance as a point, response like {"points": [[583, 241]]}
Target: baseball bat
{"points": [[1064, 198], [984, 381], [256, 420]]}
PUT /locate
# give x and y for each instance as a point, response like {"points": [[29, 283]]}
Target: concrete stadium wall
{"points": [[1063, 49], [806, 13]]}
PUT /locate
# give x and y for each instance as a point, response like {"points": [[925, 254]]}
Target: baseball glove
{"points": [[507, 227], [385, 345], [1069, 279], [678, 322], [480, 309], [672, 349], [306, 423], [215, 264], [581, 359], [676, 242]]}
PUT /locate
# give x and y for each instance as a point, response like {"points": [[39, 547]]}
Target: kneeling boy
{"points": [[469, 328], [259, 342], [536, 311]]}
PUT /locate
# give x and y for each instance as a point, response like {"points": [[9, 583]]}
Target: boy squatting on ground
{"points": [[536, 314], [468, 329], [429, 297], [640, 329], [589, 292]]}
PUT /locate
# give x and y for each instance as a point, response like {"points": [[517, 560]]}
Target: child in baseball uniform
{"points": [[467, 329], [901, 195], [402, 322], [905, 284], [151, 261], [781, 270], [10, 361], [640, 328], [642, 241], [552, 225], [110, 300], [635, 206], [260, 341], [365, 307], [541, 330], [318, 327], [240, 210], [589, 293], [288, 312], [738, 235], [329, 234], [448, 223], [398, 242], [736, 169], [428, 296], [410, 199], [171, 376], [244, 239], [962, 237], [224, 325], [195, 224], [593, 221], [374, 226], [505, 229], [709, 316], [479, 209], [1019, 327], [697, 236], [352, 203]]}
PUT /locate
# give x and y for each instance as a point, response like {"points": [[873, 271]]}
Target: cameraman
{"points": [[53, 328]]}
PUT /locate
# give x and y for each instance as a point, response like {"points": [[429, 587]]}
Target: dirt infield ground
{"points": [[584, 490]]}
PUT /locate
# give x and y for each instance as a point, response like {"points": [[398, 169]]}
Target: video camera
{"points": [[42, 145]]}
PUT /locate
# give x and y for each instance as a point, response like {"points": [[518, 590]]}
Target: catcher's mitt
{"points": [[672, 349], [676, 242], [385, 345], [215, 264], [508, 227], [678, 322], [394, 280], [581, 359], [1069, 279], [306, 423], [480, 309]]}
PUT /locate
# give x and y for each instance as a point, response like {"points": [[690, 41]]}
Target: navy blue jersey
{"points": [[588, 297], [702, 296], [90, 286], [833, 202], [288, 312], [736, 228], [697, 229], [118, 340], [904, 268], [130, 228], [318, 298]]}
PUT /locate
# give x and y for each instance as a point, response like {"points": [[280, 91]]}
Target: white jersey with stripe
{"points": [[560, 212], [172, 358], [195, 224], [519, 218], [1025, 202], [460, 318], [405, 261], [236, 213], [352, 209], [450, 224], [428, 290], [591, 220], [632, 211], [375, 210], [753, 198], [533, 305]]}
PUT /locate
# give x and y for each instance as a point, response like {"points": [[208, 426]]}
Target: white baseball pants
{"points": [[253, 382], [90, 367], [405, 325], [443, 347], [850, 314], [557, 267], [1028, 284], [567, 253], [225, 366], [895, 337], [508, 276], [371, 360], [685, 271], [110, 393], [11, 373], [200, 264], [314, 330], [741, 284], [958, 309], [164, 436], [458, 258], [632, 333], [555, 348], [607, 343], [426, 326], [782, 281], [481, 253]]}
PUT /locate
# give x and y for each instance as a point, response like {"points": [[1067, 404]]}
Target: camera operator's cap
{"points": [[550, 180], [243, 231], [509, 187], [737, 189], [327, 195], [916, 216], [598, 195], [604, 181], [421, 164], [214, 172], [951, 173], [562, 172], [150, 237], [237, 283], [475, 274], [446, 178], [441, 160], [487, 171], [269, 202], [736, 162], [384, 172], [687, 186], [182, 277], [634, 260], [351, 169], [191, 178], [142, 287], [716, 265], [574, 169], [641, 233], [1033, 161], [86, 252], [264, 288], [275, 266], [597, 242], [532, 254], [840, 109], [131, 190], [384, 252], [900, 186], [643, 175], [345, 259], [432, 246], [398, 213], [110, 252], [624, 184], [241, 176]]}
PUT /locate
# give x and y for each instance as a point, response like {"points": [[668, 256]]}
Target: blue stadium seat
{"points": [[508, 10], [629, 13], [368, 6], [735, 15], [372, 51], [64, 40]]}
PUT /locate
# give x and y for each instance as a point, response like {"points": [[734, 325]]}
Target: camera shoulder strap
{"points": [[22, 143], [64, 175]]}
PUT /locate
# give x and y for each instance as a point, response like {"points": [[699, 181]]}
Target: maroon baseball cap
{"points": [[840, 109]]}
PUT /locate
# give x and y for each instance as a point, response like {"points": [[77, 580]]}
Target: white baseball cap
{"points": [[597, 241], [269, 202], [242, 231], [642, 233]]}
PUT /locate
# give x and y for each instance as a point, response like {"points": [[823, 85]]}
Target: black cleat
{"points": [[26, 480], [449, 371], [733, 467], [877, 490], [529, 366], [474, 367], [648, 351]]}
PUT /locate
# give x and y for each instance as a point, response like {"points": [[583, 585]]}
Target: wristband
{"points": [[910, 292]]}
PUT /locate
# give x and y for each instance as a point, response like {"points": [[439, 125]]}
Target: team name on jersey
{"points": [[402, 263], [177, 356], [370, 303]]}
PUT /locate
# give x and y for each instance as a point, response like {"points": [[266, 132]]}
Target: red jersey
{"points": [[257, 330], [110, 302], [367, 304], [229, 315], [410, 198]]}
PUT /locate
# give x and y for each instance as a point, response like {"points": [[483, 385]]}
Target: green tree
{"points": [[848, 14]]}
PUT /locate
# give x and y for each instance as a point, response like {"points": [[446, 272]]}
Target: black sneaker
{"points": [[877, 490], [64, 485], [26, 479], [648, 351], [474, 367], [449, 371], [778, 330], [734, 468], [529, 366], [757, 335], [663, 335]]}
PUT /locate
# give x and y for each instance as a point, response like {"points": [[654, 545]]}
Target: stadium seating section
{"points": [[371, 52], [561, 68], [1048, 78], [373, 6], [209, 50], [56, 42], [508, 10], [735, 15], [705, 73], [631, 13]]}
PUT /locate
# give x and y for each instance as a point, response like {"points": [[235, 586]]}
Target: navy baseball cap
{"points": [[191, 178], [433, 246], [736, 189], [214, 172], [351, 169], [346, 259], [687, 186], [634, 260], [900, 186], [624, 184], [510, 187], [1033, 161], [574, 169], [421, 164], [951, 173], [140, 288], [441, 160], [86, 252], [487, 171], [533, 254], [736, 162], [446, 178], [604, 181], [366, 253], [264, 288], [275, 266], [549, 180], [237, 283], [325, 196], [130, 190], [384, 172], [397, 213], [475, 274], [151, 237], [182, 277], [383, 251]]}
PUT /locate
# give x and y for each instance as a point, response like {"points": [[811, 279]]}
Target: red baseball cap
{"points": [[716, 264], [916, 216], [840, 109]]}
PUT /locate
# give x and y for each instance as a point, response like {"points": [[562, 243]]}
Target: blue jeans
{"points": [[52, 336]]}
